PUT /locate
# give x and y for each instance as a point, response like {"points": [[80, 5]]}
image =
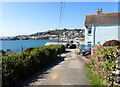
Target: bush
{"points": [[118, 46], [29, 49], [17, 66], [111, 43], [93, 79], [102, 62]]}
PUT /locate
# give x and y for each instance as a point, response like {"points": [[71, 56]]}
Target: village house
{"points": [[101, 27]]}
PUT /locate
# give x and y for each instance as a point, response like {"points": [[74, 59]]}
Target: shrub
{"points": [[93, 79], [111, 43], [102, 62], [118, 46], [29, 49], [17, 66]]}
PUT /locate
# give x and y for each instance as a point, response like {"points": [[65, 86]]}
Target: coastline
{"points": [[16, 45], [23, 39]]}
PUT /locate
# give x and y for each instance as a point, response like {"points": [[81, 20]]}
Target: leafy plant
{"points": [[17, 66], [111, 43], [102, 62]]}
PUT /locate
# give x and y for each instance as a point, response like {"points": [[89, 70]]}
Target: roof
{"points": [[104, 19]]}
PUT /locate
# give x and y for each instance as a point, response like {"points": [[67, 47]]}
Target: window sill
{"points": [[89, 34]]}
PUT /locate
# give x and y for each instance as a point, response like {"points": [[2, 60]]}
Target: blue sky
{"points": [[20, 18]]}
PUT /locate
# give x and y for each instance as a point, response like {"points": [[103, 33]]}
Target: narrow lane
{"points": [[71, 71]]}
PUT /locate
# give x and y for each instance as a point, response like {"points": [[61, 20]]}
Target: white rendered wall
{"points": [[106, 32], [87, 38], [119, 32]]}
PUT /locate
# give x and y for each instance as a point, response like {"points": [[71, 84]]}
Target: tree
{"points": [[65, 29], [2, 52]]}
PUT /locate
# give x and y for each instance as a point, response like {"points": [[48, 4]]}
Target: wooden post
{"points": [[22, 48], [58, 35]]}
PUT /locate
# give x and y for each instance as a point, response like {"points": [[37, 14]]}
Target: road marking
{"points": [[54, 76], [65, 59]]}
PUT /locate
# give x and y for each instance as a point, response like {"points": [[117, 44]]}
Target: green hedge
{"points": [[111, 43], [16, 67], [102, 62]]}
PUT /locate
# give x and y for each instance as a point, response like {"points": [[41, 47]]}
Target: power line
{"points": [[61, 12], [61, 16]]}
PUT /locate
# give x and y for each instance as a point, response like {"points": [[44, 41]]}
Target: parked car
{"points": [[72, 46], [86, 52], [66, 46]]}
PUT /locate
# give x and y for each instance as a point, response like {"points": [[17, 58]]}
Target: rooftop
{"points": [[102, 18]]}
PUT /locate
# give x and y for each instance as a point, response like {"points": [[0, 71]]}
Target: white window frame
{"points": [[89, 43]]}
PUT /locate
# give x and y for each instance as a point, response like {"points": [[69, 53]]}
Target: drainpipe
{"points": [[93, 35]]}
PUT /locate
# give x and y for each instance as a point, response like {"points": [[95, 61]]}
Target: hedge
{"points": [[118, 46], [111, 43], [18, 66], [93, 79], [102, 62]]}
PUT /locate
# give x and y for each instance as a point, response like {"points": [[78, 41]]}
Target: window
{"points": [[86, 26], [89, 43], [89, 29]]}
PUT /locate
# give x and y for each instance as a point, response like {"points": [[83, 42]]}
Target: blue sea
{"points": [[16, 45]]}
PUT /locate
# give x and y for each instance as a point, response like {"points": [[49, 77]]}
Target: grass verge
{"points": [[93, 79]]}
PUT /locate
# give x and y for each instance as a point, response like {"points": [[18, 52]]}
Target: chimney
{"points": [[99, 12]]}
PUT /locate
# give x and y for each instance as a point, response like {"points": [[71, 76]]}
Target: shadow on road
{"points": [[41, 74], [67, 51]]}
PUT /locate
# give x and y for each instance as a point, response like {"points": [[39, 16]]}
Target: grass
{"points": [[93, 79]]}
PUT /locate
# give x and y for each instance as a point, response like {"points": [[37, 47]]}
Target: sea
{"points": [[17, 45]]}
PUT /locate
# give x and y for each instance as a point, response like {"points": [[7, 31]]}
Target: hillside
{"points": [[50, 34], [55, 32]]}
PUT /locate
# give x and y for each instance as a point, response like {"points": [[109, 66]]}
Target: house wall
{"points": [[102, 33], [106, 32], [119, 32], [87, 38]]}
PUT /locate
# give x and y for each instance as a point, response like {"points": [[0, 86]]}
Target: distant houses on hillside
{"points": [[69, 34], [64, 34], [101, 27]]}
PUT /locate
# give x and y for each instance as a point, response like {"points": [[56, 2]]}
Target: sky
{"points": [[23, 18]]}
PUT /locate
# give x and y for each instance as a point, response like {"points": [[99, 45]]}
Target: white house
{"points": [[102, 27]]}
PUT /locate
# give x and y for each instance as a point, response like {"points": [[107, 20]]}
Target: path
{"points": [[71, 71]]}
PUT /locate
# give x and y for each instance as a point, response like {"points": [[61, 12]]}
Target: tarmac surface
{"points": [[68, 70]]}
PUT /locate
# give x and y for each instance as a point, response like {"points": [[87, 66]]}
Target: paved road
{"points": [[70, 71]]}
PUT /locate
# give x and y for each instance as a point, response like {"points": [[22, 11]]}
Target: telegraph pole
{"points": [[58, 34], [22, 48]]}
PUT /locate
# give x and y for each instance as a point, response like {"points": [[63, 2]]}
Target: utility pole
{"points": [[58, 34], [22, 48], [58, 38]]}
